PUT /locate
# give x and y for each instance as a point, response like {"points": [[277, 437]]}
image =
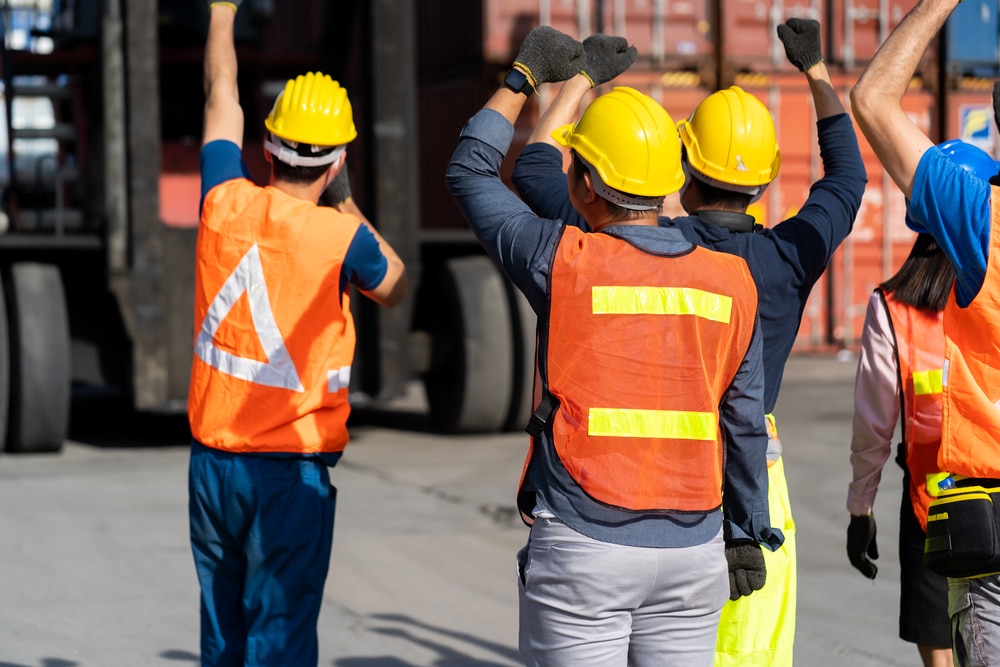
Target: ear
{"points": [[591, 195]]}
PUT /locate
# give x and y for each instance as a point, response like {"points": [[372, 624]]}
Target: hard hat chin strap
{"points": [[287, 154], [756, 191]]}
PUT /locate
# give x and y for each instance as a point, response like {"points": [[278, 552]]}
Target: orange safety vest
{"points": [[919, 338], [274, 336], [639, 350], [971, 419]]}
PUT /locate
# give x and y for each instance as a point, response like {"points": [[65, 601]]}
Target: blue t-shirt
{"points": [[954, 206], [364, 265]]}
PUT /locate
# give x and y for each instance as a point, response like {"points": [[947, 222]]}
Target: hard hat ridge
{"points": [[629, 143], [312, 109], [730, 142]]}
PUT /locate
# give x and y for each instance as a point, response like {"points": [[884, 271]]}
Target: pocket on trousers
{"points": [[521, 562]]}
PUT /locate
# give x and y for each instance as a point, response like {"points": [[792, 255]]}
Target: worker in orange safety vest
{"points": [[273, 346], [649, 361]]}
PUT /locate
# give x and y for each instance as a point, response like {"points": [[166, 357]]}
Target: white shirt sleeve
{"points": [[876, 407]]}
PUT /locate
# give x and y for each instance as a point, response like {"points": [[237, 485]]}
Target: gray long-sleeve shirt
{"points": [[522, 245]]}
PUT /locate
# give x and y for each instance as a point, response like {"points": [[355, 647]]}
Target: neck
{"points": [[310, 192], [650, 219]]}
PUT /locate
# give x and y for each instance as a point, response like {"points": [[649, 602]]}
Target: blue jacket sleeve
{"points": [[744, 499], [539, 179], [808, 240], [519, 242]]}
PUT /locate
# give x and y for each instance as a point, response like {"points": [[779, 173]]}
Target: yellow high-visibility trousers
{"points": [[759, 630]]}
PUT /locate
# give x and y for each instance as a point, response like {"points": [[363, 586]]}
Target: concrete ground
{"points": [[95, 568]]}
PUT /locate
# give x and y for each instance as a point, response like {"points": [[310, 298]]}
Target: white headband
{"points": [[283, 149]]}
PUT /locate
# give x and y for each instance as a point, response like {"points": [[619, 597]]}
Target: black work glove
{"points": [[548, 55], [861, 547], [747, 571], [338, 190], [800, 38], [607, 57]]}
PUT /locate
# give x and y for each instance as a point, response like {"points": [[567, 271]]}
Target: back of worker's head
{"points": [[309, 127], [730, 144], [971, 158], [628, 142], [925, 278]]}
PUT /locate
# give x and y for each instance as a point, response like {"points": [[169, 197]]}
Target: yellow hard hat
{"points": [[730, 141], [630, 141], [312, 109]]}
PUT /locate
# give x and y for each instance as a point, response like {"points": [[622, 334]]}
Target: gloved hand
{"points": [[747, 571], [861, 547], [548, 55], [607, 57], [800, 38], [338, 190]]}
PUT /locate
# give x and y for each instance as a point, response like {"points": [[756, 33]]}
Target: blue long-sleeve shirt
{"points": [[785, 260], [954, 206], [522, 245]]}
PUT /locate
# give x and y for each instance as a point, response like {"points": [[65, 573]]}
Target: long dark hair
{"points": [[926, 277]]}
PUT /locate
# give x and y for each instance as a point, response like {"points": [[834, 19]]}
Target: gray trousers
{"points": [[974, 607], [586, 603]]}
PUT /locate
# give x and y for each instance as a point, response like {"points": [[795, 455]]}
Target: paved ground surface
{"points": [[95, 569]]}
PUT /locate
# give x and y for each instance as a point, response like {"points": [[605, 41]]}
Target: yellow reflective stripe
{"points": [[772, 426], [927, 382], [625, 423], [639, 300]]}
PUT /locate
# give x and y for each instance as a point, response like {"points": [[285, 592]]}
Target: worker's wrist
{"points": [[225, 3]]}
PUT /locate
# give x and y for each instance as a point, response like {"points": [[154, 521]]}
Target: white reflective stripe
{"points": [[279, 370], [944, 374], [338, 379]]}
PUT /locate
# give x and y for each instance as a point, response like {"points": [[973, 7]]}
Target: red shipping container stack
{"points": [[689, 49]]}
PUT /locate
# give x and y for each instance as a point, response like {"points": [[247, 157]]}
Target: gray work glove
{"points": [[338, 190], [861, 547], [800, 38], [747, 571], [607, 57], [548, 55]]}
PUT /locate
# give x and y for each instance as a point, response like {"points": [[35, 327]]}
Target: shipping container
{"points": [[101, 182]]}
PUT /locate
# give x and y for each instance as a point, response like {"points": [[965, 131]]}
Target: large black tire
{"points": [[523, 325], [39, 352], [468, 385]]}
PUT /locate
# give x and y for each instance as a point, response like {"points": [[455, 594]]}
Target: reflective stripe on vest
{"points": [[640, 350], [971, 417], [274, 338], [919, 337]]}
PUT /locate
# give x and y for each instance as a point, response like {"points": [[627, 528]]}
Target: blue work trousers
{"points": [[261, 534]]}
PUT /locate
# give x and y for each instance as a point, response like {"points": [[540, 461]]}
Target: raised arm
{"points": [[877, 97], [392, 290], [606, 57], [223, 113], [803, 48]]}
